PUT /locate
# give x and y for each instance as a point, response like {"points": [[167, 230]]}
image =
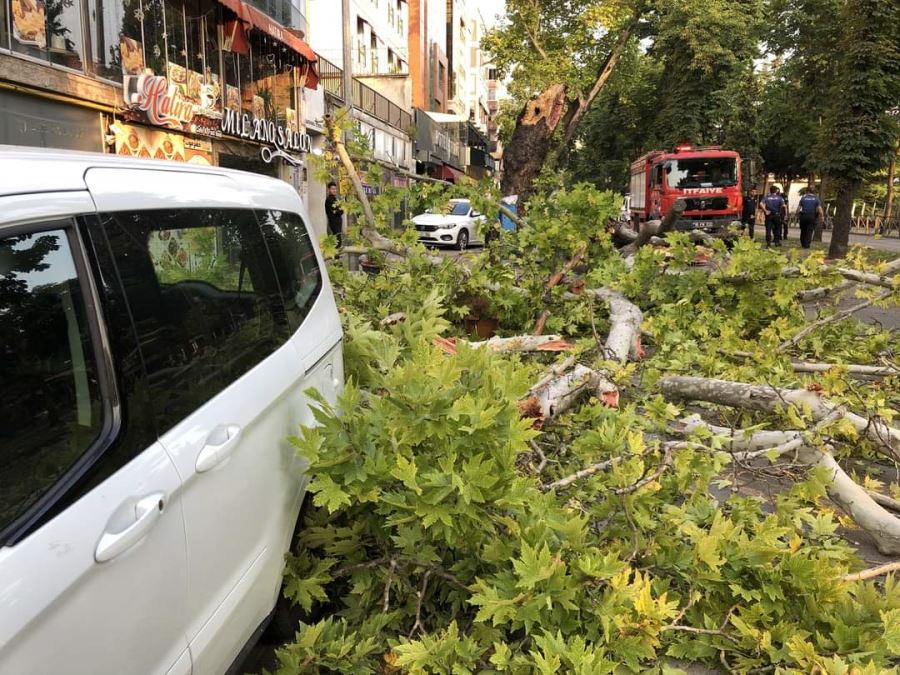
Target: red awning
{"points": [[447, 172], [254, 18]]}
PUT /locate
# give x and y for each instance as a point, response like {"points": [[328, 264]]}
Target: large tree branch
{"points": [[764, 398], [883, 526], [603, 75], [655, 228]]}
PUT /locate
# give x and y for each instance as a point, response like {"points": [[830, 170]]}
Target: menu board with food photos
{"points": [[132, 56], [135, 141]]}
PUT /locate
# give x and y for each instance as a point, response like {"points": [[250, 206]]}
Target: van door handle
{"points": [[146, 512], [220, 443]]}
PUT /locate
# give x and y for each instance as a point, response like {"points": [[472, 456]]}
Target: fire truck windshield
{"points": [[701, 172]]}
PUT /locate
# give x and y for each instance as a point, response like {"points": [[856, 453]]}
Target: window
{"points": [[48, 30], [108, 24], [391, 11], [49, 389], [203, 297], [295, 262], [701, 172]]}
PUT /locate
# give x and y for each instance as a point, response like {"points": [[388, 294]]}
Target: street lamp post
{"points": [[348, 68]]}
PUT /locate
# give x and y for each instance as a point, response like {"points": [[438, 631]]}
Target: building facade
{"points": [[428, 64], [202, 81]]}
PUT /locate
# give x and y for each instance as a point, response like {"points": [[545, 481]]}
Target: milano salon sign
{"points": [[243, 125]]}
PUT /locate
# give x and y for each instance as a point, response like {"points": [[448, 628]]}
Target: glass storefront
{"points": [[175, 39]]}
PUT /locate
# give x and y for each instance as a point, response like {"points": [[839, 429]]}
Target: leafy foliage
{"points": [[433, 548]]}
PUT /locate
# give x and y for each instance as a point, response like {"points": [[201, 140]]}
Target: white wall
{"points": [[325, 30]]}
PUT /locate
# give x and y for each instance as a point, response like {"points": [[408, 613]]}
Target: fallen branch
{"points": [[837, 316], [763, 398], [555, 371], [560, 394], [815, 293], [881, 570], [883, 500], [851, 368], [625, 325], [853, 499], [584, 473], [867, 278], [518, 343], [552, 283], [655, 228]]}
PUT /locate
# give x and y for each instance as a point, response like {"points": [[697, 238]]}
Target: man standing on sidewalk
{"points": [[773, 206], [334, 213], [748, 213], [810, 212]]}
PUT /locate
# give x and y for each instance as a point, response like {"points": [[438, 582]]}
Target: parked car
{"points": [[159, 325], [455, 226]]}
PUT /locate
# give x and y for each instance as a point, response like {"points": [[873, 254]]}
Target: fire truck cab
{"points": [[708, 179]]}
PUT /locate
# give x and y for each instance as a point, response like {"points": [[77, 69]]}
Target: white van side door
{"points": [[93, 562]]}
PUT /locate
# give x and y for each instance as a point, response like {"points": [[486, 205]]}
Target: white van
{"points": [[160, 324]]}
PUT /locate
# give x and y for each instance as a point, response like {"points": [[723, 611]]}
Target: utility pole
{"points": [[348, 68]]}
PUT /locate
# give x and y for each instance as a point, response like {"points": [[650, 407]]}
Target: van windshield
{"points": [[701, 172]]}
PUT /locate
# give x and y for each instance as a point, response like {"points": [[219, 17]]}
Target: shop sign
{"points": [[135, 141], [164, 104], [252, 128]]}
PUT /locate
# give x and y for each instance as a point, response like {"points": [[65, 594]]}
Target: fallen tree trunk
{"points": [[762, 398], [853, 499]]}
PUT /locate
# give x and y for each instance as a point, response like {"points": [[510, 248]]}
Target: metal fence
{"points": [[866, 218]]}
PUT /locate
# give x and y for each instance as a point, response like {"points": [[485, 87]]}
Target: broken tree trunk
{"points": [[560, 394], [762, 398], [853, 499], [524, 156]]}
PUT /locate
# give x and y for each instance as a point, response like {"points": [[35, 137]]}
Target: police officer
{"points": [[748, 213], [810, 212], [773, 207]]}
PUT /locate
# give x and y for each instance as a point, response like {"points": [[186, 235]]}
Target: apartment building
{"points": [[428, 64]]}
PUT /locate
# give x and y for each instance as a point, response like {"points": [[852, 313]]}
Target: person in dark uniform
{"points": [[334, 213], [748, 213], [810, 212], [773, 207], [785, 220]]}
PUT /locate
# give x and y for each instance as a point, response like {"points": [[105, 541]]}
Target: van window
{"points": [[203, 298], [49, 389], [295, 262]]}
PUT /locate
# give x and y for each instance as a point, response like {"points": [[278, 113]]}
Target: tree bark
{"points": [[524, 156], [651, 229], [889, 198], [840, 234]]}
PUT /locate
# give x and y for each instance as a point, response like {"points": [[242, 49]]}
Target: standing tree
{"points": [[561, 55], [858, 132]]}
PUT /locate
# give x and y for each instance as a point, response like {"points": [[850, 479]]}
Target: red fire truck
{"points": [[708, 179]]}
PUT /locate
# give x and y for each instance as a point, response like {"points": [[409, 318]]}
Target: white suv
{"points": [[160, 324], [456, 226]]}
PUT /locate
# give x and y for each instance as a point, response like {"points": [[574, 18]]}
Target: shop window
{"points": [[176, 43], [152, 49], [116, 38], [4, 23], [49, 30]]}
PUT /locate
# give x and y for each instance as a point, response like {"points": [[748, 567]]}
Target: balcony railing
{"points": [[370, 101], [331, 77]]}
